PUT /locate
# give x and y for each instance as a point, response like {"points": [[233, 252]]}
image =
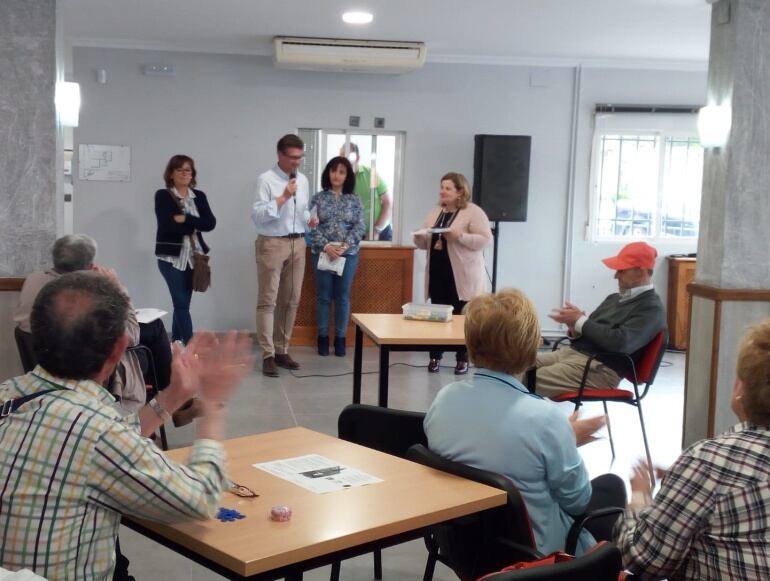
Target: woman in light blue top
{"points": [[491, 421], [338, 234]]}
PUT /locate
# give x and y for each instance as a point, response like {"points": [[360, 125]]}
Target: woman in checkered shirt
{"points": [[711, 517]]}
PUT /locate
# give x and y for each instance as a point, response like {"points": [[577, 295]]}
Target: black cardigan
{"points": [[170, 234]]}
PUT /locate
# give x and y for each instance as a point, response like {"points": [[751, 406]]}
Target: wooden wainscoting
{"points": [[383, 283]]}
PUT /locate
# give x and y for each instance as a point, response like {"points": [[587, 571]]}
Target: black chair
{"points": [[488, 541], [385, 429], [151, 389], [24, 345], [601, 563]]}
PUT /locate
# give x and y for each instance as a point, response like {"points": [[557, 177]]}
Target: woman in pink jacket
{"points": [[454, 270]]}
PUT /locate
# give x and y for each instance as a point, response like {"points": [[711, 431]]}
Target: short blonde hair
{"points": [[502, 331], [461, 185], [753, 369]]}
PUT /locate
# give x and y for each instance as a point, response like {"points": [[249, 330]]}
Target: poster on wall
{"points": [[109, 163]]}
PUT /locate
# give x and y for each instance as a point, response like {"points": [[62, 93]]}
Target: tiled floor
{"points": [[264, 404]]}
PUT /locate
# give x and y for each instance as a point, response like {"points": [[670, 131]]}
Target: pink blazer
{"points": [[465, 254]]}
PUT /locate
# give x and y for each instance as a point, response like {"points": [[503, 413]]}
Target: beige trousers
{"points": [[561, 372], [280, 269]]}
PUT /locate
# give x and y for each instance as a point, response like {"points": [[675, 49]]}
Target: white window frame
{"points": [[658, 125], [396, 189]]}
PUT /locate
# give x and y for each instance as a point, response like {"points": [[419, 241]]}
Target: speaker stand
{"points": [[495, 231]]}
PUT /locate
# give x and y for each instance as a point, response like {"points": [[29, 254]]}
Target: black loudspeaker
{"points": [[501, 176]]}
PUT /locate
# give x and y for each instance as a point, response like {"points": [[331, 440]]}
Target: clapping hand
{"points": [[585, 429], [568, 314], [221, 364], [641, 480]]}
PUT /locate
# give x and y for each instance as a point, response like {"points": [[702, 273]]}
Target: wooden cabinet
{"points": [[383, 283], [681, 272]]}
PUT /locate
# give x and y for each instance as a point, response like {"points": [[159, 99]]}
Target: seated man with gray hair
{"points": [[73, 462], [77, 252]]}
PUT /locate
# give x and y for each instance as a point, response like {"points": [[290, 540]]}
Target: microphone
{"points": [[293, 176]]}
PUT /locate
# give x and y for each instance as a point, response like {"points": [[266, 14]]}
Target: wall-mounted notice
{"points": [[111, 163]]}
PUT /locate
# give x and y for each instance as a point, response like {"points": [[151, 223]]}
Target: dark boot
{"points": [[339, 346], [323, 345], [269, 368]]}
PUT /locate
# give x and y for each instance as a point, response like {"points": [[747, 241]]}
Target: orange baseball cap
{"points": [[634, 255]]}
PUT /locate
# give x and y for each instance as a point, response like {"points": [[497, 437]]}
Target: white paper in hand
{"points": [[335, 266]]}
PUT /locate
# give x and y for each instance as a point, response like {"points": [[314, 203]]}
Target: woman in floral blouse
{"points": [[339, 231]]}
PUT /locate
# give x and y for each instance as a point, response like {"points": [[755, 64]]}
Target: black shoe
{"points": [[323, 345], [269, 368], [461, 368], [339, 346], [284, 360], [433, 365]]}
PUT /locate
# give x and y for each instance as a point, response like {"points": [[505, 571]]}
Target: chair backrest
{"points": [[649, 363], [484, 542], [385, 429], [602, 563], [24, 345]]}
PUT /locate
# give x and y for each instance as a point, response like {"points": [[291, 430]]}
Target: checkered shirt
{"points": [[711, 517], [71, 464]]}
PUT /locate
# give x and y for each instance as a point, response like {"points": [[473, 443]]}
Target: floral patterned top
{"points": [[338, 221]]}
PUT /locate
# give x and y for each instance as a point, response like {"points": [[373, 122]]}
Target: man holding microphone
{"points": [[280, 213]]}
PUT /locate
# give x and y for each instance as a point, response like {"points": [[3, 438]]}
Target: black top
{"points": [[170, 235], [441, 279]]}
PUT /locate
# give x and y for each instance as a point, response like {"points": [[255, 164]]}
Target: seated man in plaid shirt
{"points": [[711, 517], [72, 462]]}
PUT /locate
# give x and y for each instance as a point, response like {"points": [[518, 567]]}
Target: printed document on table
{"points": [[148, 315], [317, 473]]}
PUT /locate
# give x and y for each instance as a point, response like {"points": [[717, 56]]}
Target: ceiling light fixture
{"points": [[357, 17]]}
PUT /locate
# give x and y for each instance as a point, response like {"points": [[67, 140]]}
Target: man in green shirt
{"points": [[383, 203]]}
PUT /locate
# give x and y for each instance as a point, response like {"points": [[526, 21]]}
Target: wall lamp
{"points": [[67, 101], [714, 122]]}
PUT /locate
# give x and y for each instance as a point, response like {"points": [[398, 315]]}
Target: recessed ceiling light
{"points": [[357, 17]]}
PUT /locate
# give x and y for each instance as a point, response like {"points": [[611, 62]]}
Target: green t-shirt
{"points": [[363, 189]]}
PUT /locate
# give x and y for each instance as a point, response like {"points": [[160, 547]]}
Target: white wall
{"points": [[228, 111]]}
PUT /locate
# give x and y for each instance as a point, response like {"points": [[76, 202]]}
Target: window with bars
{"points": [[646, 183]]}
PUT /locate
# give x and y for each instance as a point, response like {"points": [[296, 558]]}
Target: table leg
{"points": [[384, 367], [357, 364]]}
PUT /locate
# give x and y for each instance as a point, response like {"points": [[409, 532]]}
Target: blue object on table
{"points": [[229, 514]]}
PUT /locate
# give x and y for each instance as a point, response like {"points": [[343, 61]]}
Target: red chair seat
{"points": [[596, 394]]}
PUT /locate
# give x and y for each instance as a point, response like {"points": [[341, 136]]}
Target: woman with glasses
{"points": [[336, 237], [455, 234], [182, 213]]}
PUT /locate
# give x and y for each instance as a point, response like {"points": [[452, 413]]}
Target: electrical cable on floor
{"points": [[363, 372]]}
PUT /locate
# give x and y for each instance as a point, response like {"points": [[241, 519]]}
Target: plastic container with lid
{"points": [[438, 313]]}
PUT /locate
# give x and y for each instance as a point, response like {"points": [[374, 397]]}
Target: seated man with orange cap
{"points": [[625, 322]]}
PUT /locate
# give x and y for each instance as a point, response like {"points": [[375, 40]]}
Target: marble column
{"points": [[732, 287], [28, 134]]}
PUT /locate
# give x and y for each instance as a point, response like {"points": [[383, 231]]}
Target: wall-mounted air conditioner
{"points": [[354, 56]]}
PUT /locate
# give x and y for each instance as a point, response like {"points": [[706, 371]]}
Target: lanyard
{"points": [[509, 384]]}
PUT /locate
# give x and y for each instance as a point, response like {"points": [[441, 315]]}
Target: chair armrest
{"points": [[580, 522], [526, 551], [558, 342]]}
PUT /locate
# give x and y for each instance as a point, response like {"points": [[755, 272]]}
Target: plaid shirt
{"points": [[71, 464], [711, 517]]}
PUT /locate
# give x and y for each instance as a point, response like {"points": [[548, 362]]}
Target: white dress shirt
{"points": [[290, 218]]}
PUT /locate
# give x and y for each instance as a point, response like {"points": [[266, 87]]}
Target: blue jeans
{"points": [[330, 287], [180, 286]]}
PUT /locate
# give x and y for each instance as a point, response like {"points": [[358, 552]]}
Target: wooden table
{"points": [[324, 528], [394, 333]]}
